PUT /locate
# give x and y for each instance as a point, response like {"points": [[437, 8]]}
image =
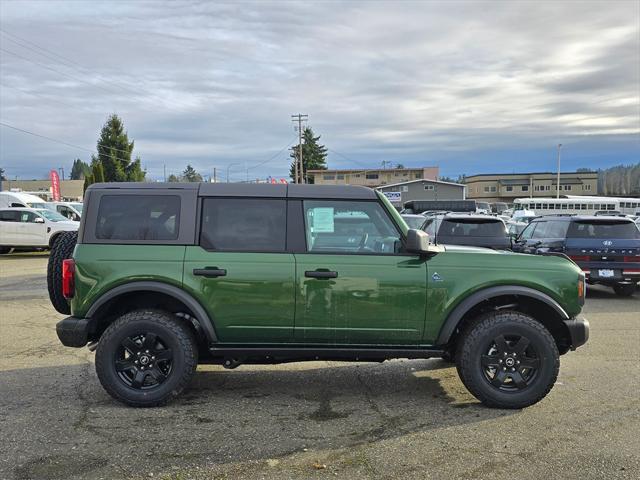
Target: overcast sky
{"points": [[471, 86]]}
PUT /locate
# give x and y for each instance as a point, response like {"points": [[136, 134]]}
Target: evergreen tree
{"points": [[79, 170], [190, 175], [173, 178], [314, 155], [114, 153], [2, 174]]}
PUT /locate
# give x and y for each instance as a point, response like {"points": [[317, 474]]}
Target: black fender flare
{"points": [[149, 286], [454, 318]]}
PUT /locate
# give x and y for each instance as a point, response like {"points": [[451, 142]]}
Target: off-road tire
{"points": [[61, 249], [172, 331], [624, 290], [4, 250], [477, 338]]}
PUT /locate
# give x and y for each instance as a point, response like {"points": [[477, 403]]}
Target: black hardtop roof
{"points": [[282, 190]]}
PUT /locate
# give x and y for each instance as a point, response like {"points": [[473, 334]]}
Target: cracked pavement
{"points": [[398, 419]]}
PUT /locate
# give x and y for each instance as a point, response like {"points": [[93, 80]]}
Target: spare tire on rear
{"points": [[61, 249]]}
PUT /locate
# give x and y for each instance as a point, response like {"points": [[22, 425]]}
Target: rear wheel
{"points": [[508, 360], [146, 358], [624, 290], [61, 249]]}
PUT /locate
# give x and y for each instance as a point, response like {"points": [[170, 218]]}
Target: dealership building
{"points": [[422, 189], [70, 190]]}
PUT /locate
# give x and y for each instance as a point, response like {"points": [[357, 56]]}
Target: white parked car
{"points": [[71, 210], [31, 227], [19, 199]]}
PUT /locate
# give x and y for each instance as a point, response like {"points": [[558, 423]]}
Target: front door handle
{"points": [[210, 272], [320, 274]]}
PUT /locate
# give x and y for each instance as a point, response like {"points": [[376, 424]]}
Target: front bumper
{"points": [[74, 332], [578, 331]]}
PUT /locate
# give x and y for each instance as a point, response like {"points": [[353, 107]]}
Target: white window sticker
{"points": [[323, 220]]}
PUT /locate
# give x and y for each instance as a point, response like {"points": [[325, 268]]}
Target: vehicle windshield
{"points": [[413, 222], [51, 215], [78, 206], [37, 205], [604, 229], [466, 228]]}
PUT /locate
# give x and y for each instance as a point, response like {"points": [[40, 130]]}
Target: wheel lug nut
{"points": [[518, 362], [138, 353], [500, 361], [513, 369], [146, 351], [505, 354], [504, 369], [136, 362], [153, 358]]}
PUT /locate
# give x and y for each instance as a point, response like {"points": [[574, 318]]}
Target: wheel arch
{"points": [[150, 294], [527, 300]]}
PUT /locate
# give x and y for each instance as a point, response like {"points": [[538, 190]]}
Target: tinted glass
{"points": [[244, 224], [454, 228], [138, 217], [51, 215], [603, 229], [349, 227], [10, 216], [528, 232], [556, 229], [541, 230]]}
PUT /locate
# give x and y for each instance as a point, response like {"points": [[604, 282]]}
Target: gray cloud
{"points": [[215, 83]]}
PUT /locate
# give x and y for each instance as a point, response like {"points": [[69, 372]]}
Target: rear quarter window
{"points": [[138, 217], [603, 229]]}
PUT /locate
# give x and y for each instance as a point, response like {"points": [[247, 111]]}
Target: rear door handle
{"points": [[210, 272], [320, 274]]}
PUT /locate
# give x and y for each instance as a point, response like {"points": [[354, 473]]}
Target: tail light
{"points": [[68, 278], [632, 259], [580, 258]]}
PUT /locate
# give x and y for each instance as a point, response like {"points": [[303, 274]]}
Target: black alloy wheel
{"points": [[143, 361], [510, 363], [507, 359], [146, 358]]}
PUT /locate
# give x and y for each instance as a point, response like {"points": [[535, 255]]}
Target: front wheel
{"points": [[146, 358], [508, 360], [624, 290]]}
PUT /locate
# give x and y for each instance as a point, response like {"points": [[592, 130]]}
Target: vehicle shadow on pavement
{"points": [[251, 413]]}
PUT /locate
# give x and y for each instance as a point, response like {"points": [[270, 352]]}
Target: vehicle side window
{"points": [[541, 230], [349, 227], [244, 224], [140, 217], [10, 216], [556, 229], [430, 227], [527, 233], [27, 217]]}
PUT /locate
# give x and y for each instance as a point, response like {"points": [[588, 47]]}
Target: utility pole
{"points": [[61, 170], [215, 180], [558, 180], [299, 170], [164, 171]]}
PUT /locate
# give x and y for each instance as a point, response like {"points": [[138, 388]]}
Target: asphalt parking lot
{"points": [[399, 419]]}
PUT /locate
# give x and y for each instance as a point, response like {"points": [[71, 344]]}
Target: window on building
{"points": [[566, 187], [486, 189], [372, 176], [525, 188], [536, 188], [428, 187], [328, 177], [509, 188], [243, 224], [547, 187], [340, 177], [494, 189], [586, 186]]}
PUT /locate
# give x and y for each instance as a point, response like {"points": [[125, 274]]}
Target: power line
{"points": [[66, 143], [54, 70], [273, 156]]}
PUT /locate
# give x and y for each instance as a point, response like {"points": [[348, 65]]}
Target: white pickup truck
{"points": [[31, 227]]}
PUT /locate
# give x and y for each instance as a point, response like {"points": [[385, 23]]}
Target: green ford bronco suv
{"points": [[166, 276]]}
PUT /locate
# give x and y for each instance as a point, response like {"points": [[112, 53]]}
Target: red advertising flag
{"points": [[55, 185]]}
